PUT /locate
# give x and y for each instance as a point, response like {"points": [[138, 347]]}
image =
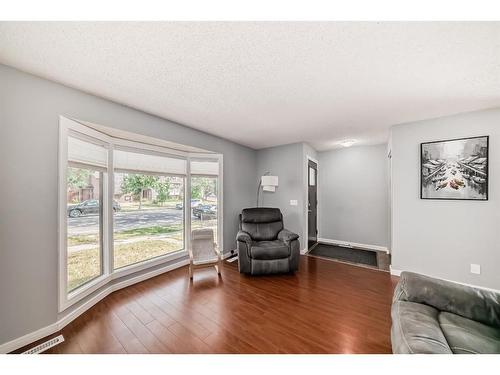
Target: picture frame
{"points": [[455, 169]]}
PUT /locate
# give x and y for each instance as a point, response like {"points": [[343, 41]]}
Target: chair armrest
{"points": [[287, 236], [243, 237], [472, 303]]}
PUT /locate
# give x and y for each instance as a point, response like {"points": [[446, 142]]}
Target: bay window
{"points": [[127, 206]]}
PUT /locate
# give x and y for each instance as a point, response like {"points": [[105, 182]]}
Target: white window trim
{"points": [[67, 127]]}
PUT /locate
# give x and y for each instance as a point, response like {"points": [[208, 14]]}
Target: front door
{"points": [[312, 215]]}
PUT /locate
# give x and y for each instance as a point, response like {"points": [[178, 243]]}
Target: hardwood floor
{"points": [[326, 307]]}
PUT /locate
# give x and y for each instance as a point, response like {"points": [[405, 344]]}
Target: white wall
{"points": [[438, 237], [353, 195]]}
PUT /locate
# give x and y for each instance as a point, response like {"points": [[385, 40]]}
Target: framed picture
{"points": [[454, 169]]}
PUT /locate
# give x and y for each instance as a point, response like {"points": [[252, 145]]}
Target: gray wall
{"points": [[353, 195], [29, 111], [442, 238], [289, 163], [286, 163]]}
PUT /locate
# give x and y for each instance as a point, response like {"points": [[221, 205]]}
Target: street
{"points": [[127, 220]]}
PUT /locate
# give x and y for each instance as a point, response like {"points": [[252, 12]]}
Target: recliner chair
{"points": [[264, 246]]}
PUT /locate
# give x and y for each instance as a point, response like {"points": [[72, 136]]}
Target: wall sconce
{"points": [[268, 183]]}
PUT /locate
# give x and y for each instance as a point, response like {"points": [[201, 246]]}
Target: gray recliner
{"points": [[264, 246], [436, 316]]}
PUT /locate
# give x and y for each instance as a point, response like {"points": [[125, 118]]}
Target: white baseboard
{"points": [[304, 251], [67, 318], [396, 272], [230, 254], [353, 244]]}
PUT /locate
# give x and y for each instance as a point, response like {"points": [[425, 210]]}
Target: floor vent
{"points": [[232, 259], [45, 346]]}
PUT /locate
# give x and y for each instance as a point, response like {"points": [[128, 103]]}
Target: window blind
{"points": [[139, 162], [210, 168], [85, 152]]}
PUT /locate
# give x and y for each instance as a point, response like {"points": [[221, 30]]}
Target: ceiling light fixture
{"points": [[347, 142]]}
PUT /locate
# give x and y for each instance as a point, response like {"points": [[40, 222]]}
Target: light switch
{"points": [[475, 268], [293, 202]]}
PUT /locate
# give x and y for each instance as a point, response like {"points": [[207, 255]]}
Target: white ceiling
{"points": [[263, 84]]}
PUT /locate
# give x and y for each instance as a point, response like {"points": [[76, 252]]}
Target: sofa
{"points": [[264, 245], [436, 316]]}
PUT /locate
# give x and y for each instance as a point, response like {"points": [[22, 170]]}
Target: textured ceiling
{"points": [[268, 83]]}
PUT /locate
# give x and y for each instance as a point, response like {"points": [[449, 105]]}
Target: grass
{"points": [[135, 252], [82, 239], [147, 231], [86, 239], [84, 265]]}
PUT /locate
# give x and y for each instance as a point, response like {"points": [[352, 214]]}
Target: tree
{"points": [[77, 179], [135, 184], [201, 187], [163, 189]]}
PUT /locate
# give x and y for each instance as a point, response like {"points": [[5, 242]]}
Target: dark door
{"points": [[312, 215]]}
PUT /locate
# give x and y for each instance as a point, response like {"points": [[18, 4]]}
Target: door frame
{"points": [[306, 202]]}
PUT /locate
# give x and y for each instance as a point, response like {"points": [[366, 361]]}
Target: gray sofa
{"points": [[437, 316], [264, 246]]}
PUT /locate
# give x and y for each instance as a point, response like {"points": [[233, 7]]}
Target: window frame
{"points": [[71, 127]]}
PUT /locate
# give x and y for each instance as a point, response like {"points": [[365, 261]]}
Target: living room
{"points": [[250, 187]]}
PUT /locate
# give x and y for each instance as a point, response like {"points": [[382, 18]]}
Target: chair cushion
{"points": [[263, 232], [262, 224], [468, 336], [261, 215], [416, 329], [269, 250]]}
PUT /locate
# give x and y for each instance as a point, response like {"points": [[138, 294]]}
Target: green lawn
{"points": [[147, 231], [85, 239], [84, 265]]}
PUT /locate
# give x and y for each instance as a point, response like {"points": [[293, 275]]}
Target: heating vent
{"points": [[45, 346]]}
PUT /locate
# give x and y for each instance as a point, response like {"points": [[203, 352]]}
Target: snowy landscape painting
{"points": [[455, 169]]}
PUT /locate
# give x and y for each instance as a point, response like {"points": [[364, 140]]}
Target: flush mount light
{"points": [[347, 142]]}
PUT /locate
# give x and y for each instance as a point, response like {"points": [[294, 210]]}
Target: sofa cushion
{"points": [[416, 329], [468, 336], [269, 250]]}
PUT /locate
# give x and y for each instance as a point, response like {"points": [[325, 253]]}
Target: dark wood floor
{"points": [[326, 307]]}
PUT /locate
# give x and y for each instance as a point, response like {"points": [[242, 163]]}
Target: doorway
{"points": [[312, 204]]}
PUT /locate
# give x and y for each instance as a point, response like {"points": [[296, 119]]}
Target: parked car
{"points": [[88, 207], [194, 203], [207, 211]]}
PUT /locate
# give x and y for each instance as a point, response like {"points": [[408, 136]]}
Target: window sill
{"points": [[137, 267]]}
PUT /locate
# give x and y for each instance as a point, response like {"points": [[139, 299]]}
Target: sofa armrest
{"points": [[472, 303], [243, 237], [286, 236]]}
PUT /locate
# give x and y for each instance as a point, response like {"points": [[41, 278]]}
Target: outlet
{"points": [[475, 268], [293, 202]]}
